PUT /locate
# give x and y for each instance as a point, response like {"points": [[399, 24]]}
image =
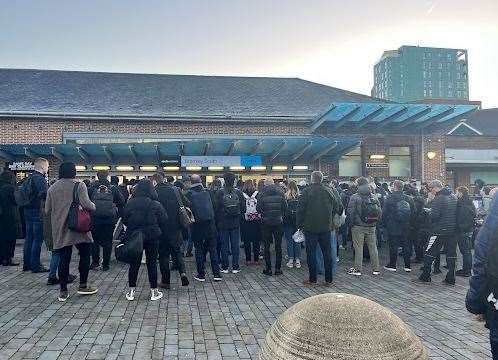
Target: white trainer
{"points": [[298, 264], [130, 295], [155, 294], [290, 263], [235, 271]]}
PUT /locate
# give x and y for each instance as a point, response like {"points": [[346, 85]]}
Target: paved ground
{"points": [[225, 320]]}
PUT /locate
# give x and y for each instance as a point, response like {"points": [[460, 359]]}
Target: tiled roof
{"points": [[119, 94], [486, 121]]}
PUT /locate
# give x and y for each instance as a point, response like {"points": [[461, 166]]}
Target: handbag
{"points": [[131, 248], [184, 213], [78, 218]]}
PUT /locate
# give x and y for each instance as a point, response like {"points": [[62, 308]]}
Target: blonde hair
{"points": [[292, 190]]}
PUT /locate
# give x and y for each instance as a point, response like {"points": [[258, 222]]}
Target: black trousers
{"points": [[276, 232], [251, 237], [102, 237], [313, 240], [395, 241], [65, 253], [169, 245], [204, 239], [7, 245], [432, 252], [150, 248], [419, 240]]}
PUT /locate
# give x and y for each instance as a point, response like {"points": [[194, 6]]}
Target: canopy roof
{"points": [[281, 149]]}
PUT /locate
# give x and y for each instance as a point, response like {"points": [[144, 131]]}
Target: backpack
{"points": [[201, 205], [402, 211], [25, 193], [466, 217], [251, 204], [104, 203], [370, 210], [231, 204], [290, 215]]}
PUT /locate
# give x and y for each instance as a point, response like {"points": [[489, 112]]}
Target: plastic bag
{"points": [[298, 236]]}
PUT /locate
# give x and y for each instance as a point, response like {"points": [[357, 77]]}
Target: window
{"points": [[400, 161], [350, 164]]}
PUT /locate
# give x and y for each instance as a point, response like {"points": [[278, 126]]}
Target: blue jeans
{"points": [[203, 236], [54, 264], [34, 239], [293, 248], [464, 244], [319, 255], [323, 240], [230, 239]]}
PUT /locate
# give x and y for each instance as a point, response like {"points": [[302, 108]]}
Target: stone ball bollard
{"points": [[339, 327]]}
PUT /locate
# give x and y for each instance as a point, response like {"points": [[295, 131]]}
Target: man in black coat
{"points": [[398, 214], [9, 221], [442, 216], [272, 207], [171, 199]]}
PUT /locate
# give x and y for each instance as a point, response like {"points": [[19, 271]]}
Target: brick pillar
{"points": [[434, 169]]}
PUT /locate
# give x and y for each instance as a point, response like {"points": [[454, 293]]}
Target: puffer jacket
{"points": [[476, 300], [143, 212], [117, 199], [442, 215], [272, 205], [393, 226]]}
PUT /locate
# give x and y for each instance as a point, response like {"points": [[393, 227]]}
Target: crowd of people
{"points": [[324, 219]]}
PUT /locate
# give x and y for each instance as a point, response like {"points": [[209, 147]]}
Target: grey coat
{"points": [[59, 199]]}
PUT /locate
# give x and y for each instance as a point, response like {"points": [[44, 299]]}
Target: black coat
{"points": [[9, 221], [224, 222], [272, 205], [117, 198], [167, 198], [390, 222], [443, 213], [145, 213]]}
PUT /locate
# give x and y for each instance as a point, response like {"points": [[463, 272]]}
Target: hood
{"points": [[445, 191], [144, 188], [364, 190]]}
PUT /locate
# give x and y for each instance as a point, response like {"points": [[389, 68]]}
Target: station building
{"points": [[135, 124]]}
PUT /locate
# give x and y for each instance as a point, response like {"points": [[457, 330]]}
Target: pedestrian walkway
{"points": [[226, 320]]}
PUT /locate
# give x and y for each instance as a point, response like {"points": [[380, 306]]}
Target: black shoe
{"points": [[462, 273], [52, 281], [26, 268], [448, 282], [185, 281], [436, 271], [94, 266], [105, 268], [421, 280], [41, 269], [267, 272], [9, 263], [278, 272]]}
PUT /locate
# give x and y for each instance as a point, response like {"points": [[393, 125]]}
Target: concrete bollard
{"points": [[340, 327]]}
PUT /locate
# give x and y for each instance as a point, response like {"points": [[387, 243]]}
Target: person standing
{"points": [[272, 206], [293, 248], [203, 229], [9, 221], [442, 216], [365, 212], [59, 199], [230, 205], [171, 198], [398, 213], [316, 209], [109, 203], [466, 215], [251, 224], [143, 212], [482, 295]]}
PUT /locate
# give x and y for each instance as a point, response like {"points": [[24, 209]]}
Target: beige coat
{"points": [[59, 199]]}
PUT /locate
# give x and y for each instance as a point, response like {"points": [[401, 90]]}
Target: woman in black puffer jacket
{"points": [[144, 212]]}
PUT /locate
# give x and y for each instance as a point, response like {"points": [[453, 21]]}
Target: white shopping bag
{"points": [[298, 236]]}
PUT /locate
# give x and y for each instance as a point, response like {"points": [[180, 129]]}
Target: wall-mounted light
{"points": [[431, 155], [101, 167], [171, 168], [193, 168], [215, 168], [148, 168], [258, 168], [279, 168], [237, 168], [80, 167], [125, 168], [377, 157], [300, 167]]}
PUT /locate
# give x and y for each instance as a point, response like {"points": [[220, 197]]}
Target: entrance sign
{"points": [[225, 161], [377, 166], [21, 166]]}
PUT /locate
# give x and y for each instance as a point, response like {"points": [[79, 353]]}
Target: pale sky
{"points": [[334, 42]]}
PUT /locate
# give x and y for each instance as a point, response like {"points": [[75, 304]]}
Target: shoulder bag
{"points": [[78, 218]]}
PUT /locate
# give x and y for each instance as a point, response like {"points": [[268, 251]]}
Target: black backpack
{"points": [[466, 217], [26, 193], [231, 203], [370, 210], [104, 203], [402, 211], [290, 215], [201, 205]]}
